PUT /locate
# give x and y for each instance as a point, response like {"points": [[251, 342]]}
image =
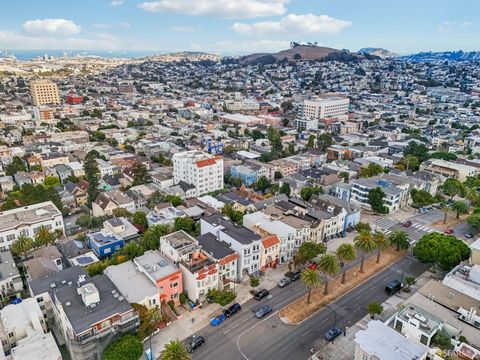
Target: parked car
{"points": [[293, 275], [469, 235], [261, 294], [284, 282], [194, 342], [331, 334], [407, 223], [393, 287], [217, 320], [264, 310], [448, 231], [232, 310]]}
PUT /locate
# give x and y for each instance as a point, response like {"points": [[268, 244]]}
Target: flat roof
{"points": [[28, 215], [155, 265]]}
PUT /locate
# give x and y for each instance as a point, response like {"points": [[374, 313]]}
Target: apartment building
{"points": [[27, 220], [88, 313], [245, 242], [44, 92], [393, 194], [449, 169], [10, 280], [325, 107], [198, 169], [108, 201]]}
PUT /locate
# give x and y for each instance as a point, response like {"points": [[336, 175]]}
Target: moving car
{"points": [[261, 294], [448, 231], [217, 320], [264, 310], [469, 235], [393, 287], [407, 223], [232, 310], [293, 275], [194, 342], [331, 334], [284, 282]]}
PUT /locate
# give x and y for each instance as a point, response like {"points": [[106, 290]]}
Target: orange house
{"points": [[269, 252]]}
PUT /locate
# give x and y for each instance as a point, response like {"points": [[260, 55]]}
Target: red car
{"points": [[448, 231], [407, 223]]}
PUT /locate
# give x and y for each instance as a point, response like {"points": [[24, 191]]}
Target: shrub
{"points": [[128, 347], [183, 298]]}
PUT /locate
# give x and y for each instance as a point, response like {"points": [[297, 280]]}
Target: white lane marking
{"points": [[237, 325], [253, 327]]}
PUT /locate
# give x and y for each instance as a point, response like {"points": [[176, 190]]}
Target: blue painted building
{"points": [[103, 243], [247, 174]]}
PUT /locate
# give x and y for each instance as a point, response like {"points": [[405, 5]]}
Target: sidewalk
{"points": [[183, 327]]}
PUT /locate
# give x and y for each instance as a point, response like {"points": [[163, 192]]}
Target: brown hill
{"points": [[306, 53]]}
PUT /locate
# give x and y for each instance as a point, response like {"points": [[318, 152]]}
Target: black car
{"points": [[393, 287], [261, 294], [331, 334], [469, 235], [232, 310], [293, 275], [194, 342]]}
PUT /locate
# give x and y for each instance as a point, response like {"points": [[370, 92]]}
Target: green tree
{"points": [[420, 151], [254, 282], [361, 226], [328, 266], [375, 199], [345, 176], [381, 243], [409, 162], [186, 224], [365, 243], [446, 251], [139, 218], [346, 254], [285, 189], [452, 187], [421, 198], [310, 279], [174, 200], [375, 308], [311, 142], [399, 239], [444, 155], [174, 350], [92, 173], [307, 252], [308, 191], [370, 170], [150, 239], [234, 215], [140, 174], [461, 207], [22, 246], [324, 141], [44, 237], [150, 320], [127, 347], [263, 183], [474, 221], [51, 181], [15, 166]]}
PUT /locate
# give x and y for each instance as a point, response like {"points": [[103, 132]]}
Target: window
{"points": [[174, 285], [423, 339]]}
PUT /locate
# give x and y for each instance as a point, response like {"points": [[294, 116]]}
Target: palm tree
{"points": [[365, 243], [311, 279], [445, 210], [461, 207], [22, 245], [329, 266], [58, 234], [43, 237], [399, 239], [175, 350], [346, 254], [381, 242]]}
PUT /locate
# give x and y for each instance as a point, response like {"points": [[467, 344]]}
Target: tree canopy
{"points": [[128, 347], [446, 251], [375, 199]]}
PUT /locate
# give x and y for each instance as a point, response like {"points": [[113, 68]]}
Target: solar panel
{"points": [[84, 260]]}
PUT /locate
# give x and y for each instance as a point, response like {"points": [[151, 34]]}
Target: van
{"points": [[393, 287]]}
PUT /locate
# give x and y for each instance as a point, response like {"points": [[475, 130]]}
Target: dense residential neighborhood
{"points": [[146, 201]]}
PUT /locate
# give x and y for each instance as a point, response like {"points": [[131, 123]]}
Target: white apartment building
{"points": [[198, 169], [27, 220], [10, 280], [325, 107], [242, 105], [307, 123]]}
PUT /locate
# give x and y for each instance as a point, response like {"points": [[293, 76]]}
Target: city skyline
{"points": [[238, 27]]}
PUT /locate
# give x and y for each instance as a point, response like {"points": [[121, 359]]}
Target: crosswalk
{"points": [[385, 223], [387, 226], [416, 227]]}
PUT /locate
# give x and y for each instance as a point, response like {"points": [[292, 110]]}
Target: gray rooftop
{"points": [[8, 268], [154, 265], [27, 215]]}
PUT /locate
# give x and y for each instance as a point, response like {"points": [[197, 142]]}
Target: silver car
{"points": [[284, 282]]}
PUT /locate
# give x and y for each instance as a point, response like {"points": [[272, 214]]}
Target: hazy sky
{"points": [[239, 26]]}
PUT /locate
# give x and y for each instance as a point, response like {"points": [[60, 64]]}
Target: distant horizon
{"points": [[28, 54]]}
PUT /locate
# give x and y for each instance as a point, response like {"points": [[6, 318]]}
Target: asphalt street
{"points": [[244, 337]]}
